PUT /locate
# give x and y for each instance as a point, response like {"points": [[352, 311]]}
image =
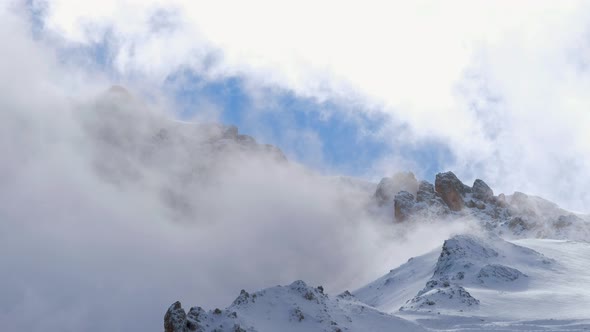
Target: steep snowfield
{"points": [[296, 307], [486, 283], [394, 289], [560, 292], [442, 279], [473, 283]]}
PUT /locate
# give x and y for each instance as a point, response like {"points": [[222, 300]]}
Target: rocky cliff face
{"points": [[451, 190], [517, 215]]}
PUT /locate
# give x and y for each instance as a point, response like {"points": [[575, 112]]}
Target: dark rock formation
{"points": [[518, 214], [425, 192], [193, 318], [482, 191], [451, 189], [476, 204], [403, 204], [175, 319], [440, 294]]}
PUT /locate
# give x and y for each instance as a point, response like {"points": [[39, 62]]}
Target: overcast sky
{"points": [[492, 90]]}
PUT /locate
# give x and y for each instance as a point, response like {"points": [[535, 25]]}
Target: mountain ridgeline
{"points": [[473, 282], [515, 216], [485, 281]]}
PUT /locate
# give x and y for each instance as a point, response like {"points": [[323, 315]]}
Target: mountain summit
{"points": [[517, 216], [472, 283]]}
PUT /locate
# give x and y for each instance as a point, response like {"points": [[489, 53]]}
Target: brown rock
{"points": [[175, 319], [451, 189]]}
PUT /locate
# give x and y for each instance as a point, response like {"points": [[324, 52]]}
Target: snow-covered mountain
{"points": [[518, 215], [486, 283], [472, 283], [132, 145], [527, 252], [296, 307]]}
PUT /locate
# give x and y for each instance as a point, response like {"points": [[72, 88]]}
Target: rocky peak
{"points": [[460, 250], [295, 307], [403, 204], [175, 319], [482, 191], [451, 189], [425, 192]]}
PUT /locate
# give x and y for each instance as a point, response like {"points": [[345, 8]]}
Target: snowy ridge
{"points": [[493, 280], [519, 215], [472, 283], [296, 307], [465, 262], [393, 290]]}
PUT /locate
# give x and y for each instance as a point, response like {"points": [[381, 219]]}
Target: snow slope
{"points": [[296, 307], [393, 290], [486, 283], [473, 283]]}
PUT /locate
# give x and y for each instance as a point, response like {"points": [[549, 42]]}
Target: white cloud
{"points": [[415, 60], [82, 243], [102, 228]]}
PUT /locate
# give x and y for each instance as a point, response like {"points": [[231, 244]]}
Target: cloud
{"points": [[105, 233], [501, 84], [111, 209]]}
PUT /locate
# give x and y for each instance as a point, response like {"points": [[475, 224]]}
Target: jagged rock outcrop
{"points": [[403, 204], [175, 319], [482, 191], [389, 187], [477, 260], [451, 189], [518, 215], [439, 295], [429, 203], [469, 261], [459, 252], [425, 192], [458, 277]]}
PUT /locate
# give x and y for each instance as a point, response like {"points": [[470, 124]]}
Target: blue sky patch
{"points": [[325, 135]]}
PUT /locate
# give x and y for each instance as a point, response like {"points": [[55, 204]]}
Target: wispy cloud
{"points": [[501, 88], [503, 85], [105, 224]]}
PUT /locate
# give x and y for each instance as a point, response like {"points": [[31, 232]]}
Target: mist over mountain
{"points": [[231, 166], [186, 211], [121, 203]]}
